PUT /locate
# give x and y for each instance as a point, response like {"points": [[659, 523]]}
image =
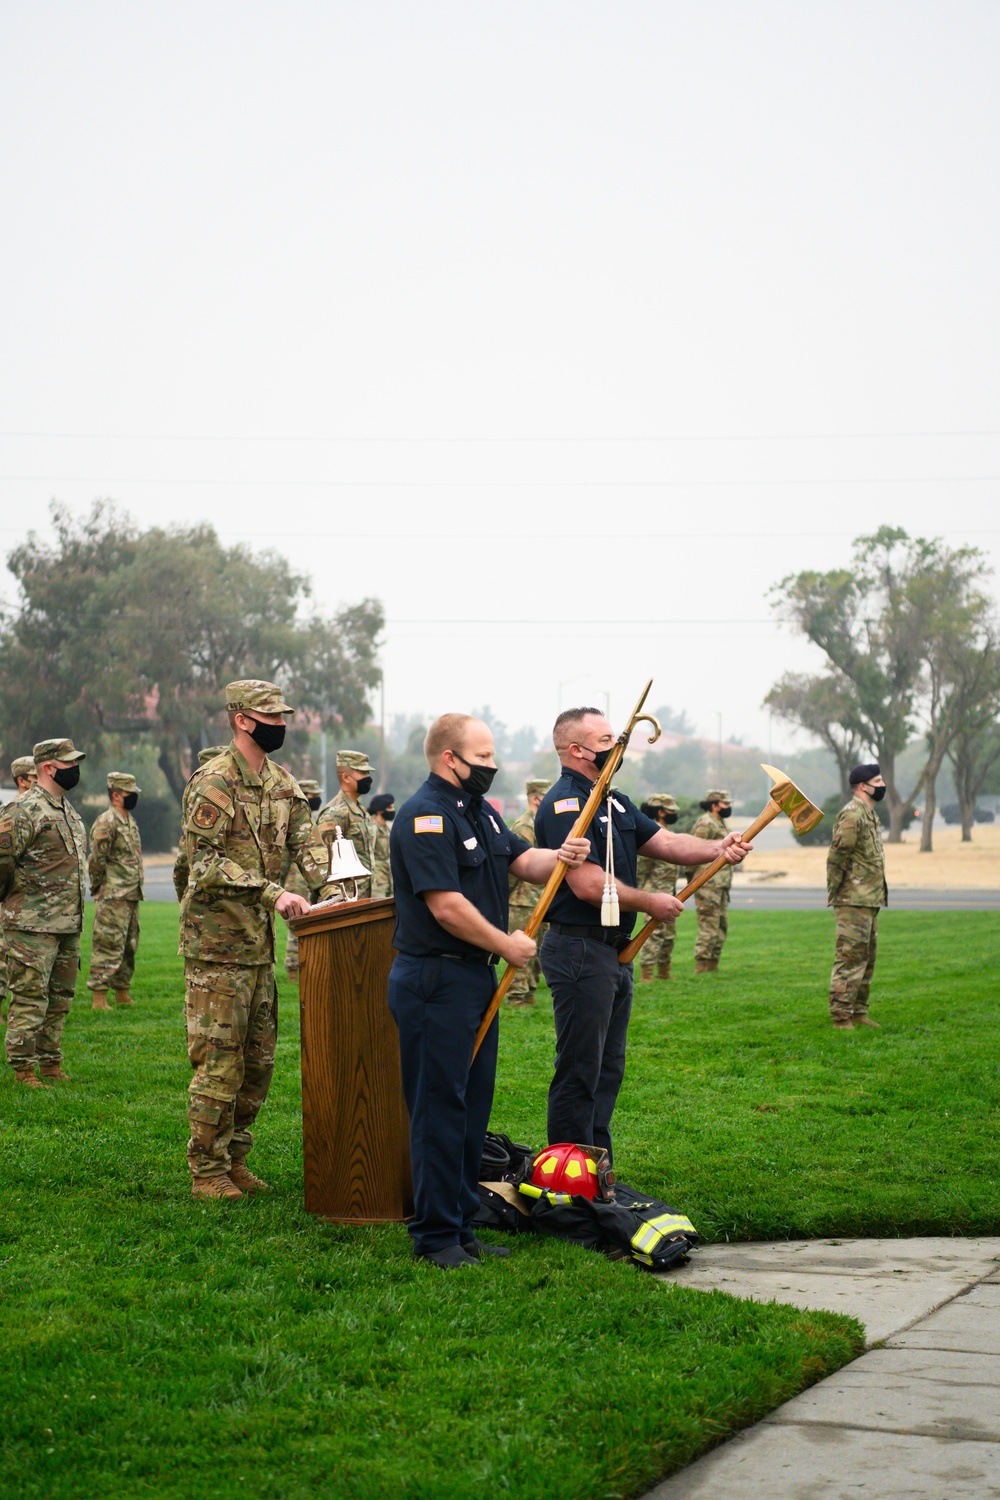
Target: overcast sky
{"points": [[566, 329]]}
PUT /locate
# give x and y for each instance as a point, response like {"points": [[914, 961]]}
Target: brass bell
{"points": [[345, 866]]}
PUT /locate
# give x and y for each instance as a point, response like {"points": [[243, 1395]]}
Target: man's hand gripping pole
{"points": [[580, 827]]}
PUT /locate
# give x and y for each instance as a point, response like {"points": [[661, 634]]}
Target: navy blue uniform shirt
{"points": [[559, 810], [444, 840]]}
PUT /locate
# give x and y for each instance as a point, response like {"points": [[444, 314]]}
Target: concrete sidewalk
{"points": [[918, 1419]]}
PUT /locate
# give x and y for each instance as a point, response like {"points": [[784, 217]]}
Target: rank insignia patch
{"points": [[206, 816], [429, 824], [567, 804]]}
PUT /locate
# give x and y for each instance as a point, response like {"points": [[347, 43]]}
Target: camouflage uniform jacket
{"points": [[709, 826], [522, 893], [855, 865], [237, 824], [292, 877], [357, 824], [115, 866], [43, 863], [382, 882], [656, 875]]}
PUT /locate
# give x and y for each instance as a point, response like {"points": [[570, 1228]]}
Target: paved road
{"points": [[917, 1419], [159, 887]]}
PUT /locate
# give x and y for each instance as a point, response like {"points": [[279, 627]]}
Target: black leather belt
{"points": [[480, 957], [611, 936]]}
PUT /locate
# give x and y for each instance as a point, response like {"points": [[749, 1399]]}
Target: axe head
{"points": [[800, 812]]}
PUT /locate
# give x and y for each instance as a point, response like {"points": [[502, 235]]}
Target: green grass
{"points": [[156, 1347]]}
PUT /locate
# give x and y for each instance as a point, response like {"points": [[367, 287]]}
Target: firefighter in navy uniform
{"points": [[451, 857], [591, 990]]}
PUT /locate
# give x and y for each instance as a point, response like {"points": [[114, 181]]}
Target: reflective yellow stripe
{"points": [[648, 1236], [530, 1191]]}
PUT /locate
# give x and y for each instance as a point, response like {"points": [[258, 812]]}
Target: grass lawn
{"points": [[155, 1347]]}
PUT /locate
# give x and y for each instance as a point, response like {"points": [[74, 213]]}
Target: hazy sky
{"points": [[564, 328]]}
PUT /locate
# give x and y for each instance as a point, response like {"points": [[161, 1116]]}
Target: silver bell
{"points": [[345, 866]]}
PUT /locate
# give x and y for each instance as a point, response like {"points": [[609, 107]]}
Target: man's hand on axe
{"points": [[684, 849], [733, 847]]}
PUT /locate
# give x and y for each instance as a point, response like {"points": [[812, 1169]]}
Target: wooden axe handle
{"points": [[769, 814]]}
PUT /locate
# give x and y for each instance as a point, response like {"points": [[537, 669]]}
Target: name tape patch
{"points": [[567, 804], [429, 824]]}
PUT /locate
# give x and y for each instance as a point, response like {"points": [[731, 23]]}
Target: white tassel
{"points": [[610, 914]]}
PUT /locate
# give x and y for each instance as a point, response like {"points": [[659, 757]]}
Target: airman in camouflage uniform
{"points": [[115, 871], [22, 769], [181, 862], [294, 879], [656, 875], [242, 812], [43, 851], [712, 900], [355, 823], [856, 889], [383, 809], [523, 898]]}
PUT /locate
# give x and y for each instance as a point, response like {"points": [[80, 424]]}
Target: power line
{"points": [[505, 484], [688, 437]]}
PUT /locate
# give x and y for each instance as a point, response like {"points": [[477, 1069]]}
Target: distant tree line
{"points": [[126, 638], [912, 648]]}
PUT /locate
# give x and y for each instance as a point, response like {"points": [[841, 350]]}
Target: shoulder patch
{"points": [[6, 839], [205, 815], [566, 804], [217, 795], [432, 823]]}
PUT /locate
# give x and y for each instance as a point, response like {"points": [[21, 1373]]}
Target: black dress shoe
{"points": [[451, 1258], [477, 1249]]}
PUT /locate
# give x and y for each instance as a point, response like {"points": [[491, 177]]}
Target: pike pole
{"points": [[579, 831]]}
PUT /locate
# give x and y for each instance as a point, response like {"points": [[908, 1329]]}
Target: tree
{"points": [[676, 721], [889, 626], [824, 706], [119, 630], [975, 749]]}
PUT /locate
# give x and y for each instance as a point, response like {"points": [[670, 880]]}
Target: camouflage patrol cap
{"points": [[354, 760], [22, 766], [716, 794], [204, 756], [310, 787], [537, 788], [662, 799], [122, 781], [251, 695], [56, 750]]}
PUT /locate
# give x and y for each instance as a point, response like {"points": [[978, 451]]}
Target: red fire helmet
{"points": [[567, 1168]]}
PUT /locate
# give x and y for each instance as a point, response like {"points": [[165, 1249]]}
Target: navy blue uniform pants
{"points": [[591, 1004], [437, 1004]]}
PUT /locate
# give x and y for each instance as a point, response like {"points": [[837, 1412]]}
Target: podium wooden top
{"points": [[344, 914]]}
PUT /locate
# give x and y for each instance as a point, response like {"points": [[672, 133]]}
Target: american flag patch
{"points": [[567, 804], [429, 824]]}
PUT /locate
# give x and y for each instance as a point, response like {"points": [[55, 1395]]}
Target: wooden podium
{"points": [[355, 1128]]}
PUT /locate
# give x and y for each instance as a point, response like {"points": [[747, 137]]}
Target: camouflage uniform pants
{"points": [[114, 944], [526, 980], [854, 961], [713, 921], [231, 1013], [41, 972], [292, 953], [658, 948]]}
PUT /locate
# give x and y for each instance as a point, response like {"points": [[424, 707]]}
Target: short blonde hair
{"points": [[446, 733], [569, 721]]}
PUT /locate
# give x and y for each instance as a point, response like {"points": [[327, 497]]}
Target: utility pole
{"points": [[381, 732]]}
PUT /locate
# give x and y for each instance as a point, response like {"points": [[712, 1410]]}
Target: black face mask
{"points": [[725, 811], [389, 814], [600, 756], [479, 779], [670, 817], [315, 803], [364, 785], [877, 793], [131, 798], [268, 736], [67, 777]]}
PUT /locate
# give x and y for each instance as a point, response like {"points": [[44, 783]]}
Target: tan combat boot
{"points": [[702, 966], [100, 1001], [219, 1186], [27, 1075], [843, 1025], [663, 970], [241, 1175], [646, 974], [54, 1070], [122, 997], [866, 1020]]}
